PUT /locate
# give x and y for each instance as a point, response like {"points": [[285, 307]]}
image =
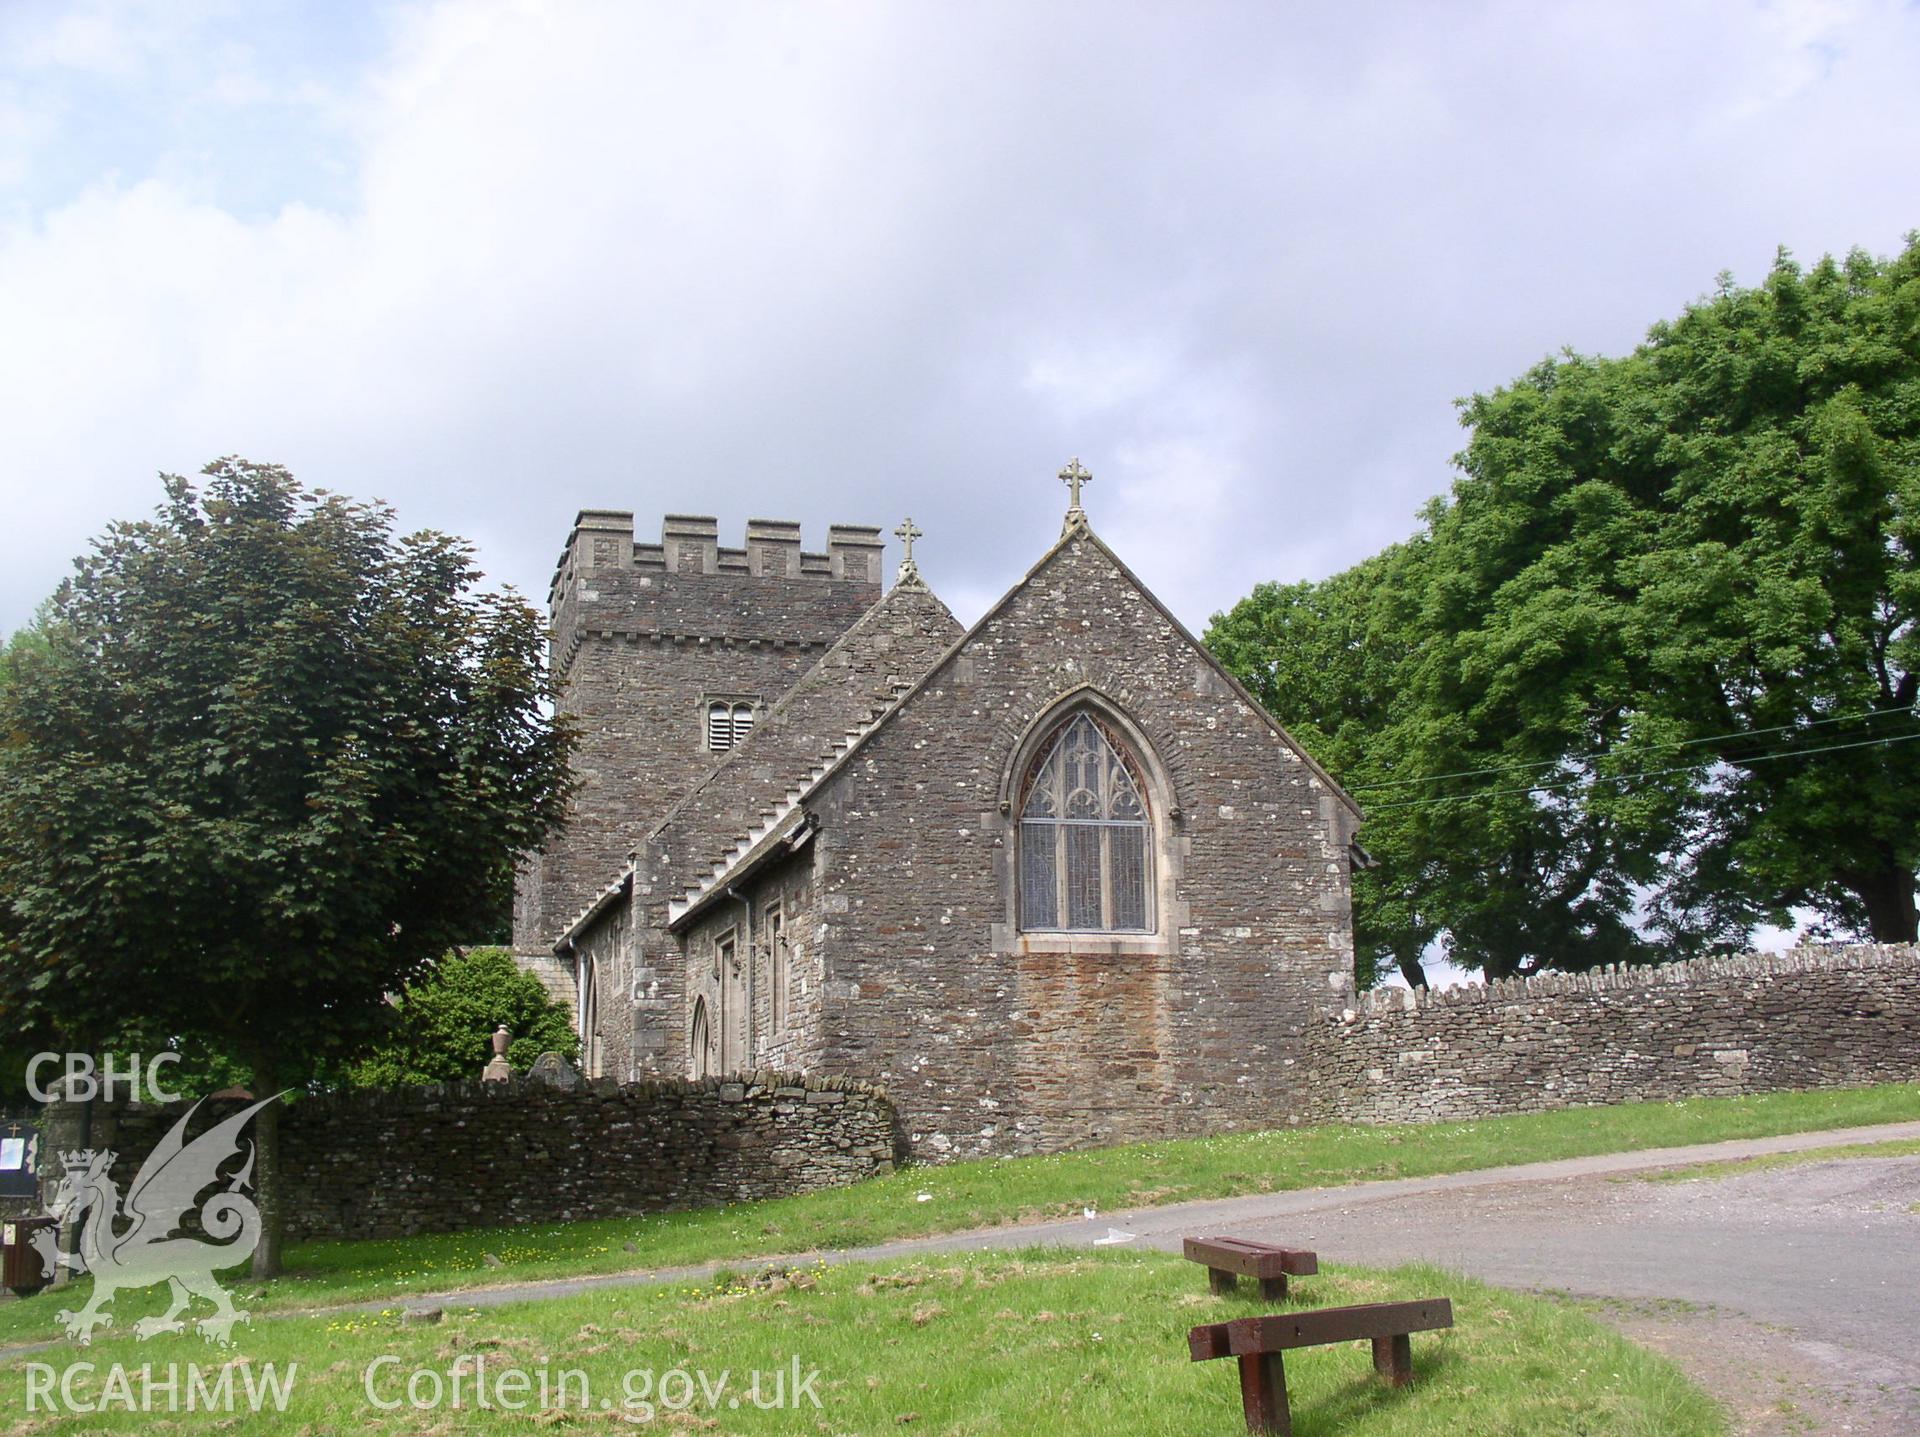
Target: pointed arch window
{"points": [[1086, 840]]}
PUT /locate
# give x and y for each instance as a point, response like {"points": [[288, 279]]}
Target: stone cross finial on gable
{"points": [[1073, 476], [909, 571]]}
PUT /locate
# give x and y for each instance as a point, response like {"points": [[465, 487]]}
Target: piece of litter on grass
{"points": [[1088, 1213], [1114, 1235], [923, 1197]]}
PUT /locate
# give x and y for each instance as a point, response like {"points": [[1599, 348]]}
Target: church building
{"points": [[1053, 880]]}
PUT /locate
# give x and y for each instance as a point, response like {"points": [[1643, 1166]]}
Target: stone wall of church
{"points": [[446, 1158], [992, 1043], [785, 1035], [890, 647], [1810, 1019], [603, 958]]}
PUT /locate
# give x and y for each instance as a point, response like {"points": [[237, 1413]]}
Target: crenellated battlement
{"points": [[603, 542], [689, 589]]}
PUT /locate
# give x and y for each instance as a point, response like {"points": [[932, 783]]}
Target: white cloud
{"points": [[846, 262]]}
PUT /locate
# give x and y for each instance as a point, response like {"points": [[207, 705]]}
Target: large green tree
{"points": [[22, 1036], [1326, 658], [272, 762], [1653, 681], [446, 1020]]}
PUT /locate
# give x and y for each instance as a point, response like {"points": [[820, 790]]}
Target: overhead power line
{"points": [[1632, 750], [1644, 773]]}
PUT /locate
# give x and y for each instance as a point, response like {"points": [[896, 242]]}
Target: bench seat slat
{"points": [[1250, 1259], [1314, 1326]]}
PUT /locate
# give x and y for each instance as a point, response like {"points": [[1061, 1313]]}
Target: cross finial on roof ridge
{"points": [[1073, 476], [909, 571]]}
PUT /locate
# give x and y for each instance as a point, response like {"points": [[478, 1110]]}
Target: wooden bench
{"points": [[1228, 1259], [1258, 1342]]}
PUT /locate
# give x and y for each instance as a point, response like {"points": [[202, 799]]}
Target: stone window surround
{"points": [[587, 1021], [753, 703], [779, 967], [1170, 845]]}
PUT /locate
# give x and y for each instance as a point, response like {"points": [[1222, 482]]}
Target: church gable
{"points": [[1077, 881]]}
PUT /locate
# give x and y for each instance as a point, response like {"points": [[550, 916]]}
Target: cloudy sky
{"points": [[496, 262]]}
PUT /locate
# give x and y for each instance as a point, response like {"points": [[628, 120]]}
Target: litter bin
{"points": [[22, 1271]]}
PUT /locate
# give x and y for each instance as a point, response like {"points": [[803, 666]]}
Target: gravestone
{"points": [[555, 1071]]}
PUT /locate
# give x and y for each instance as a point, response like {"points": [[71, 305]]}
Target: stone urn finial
{"points": [[497, 1070]]}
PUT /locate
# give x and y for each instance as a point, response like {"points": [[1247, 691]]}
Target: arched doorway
{"points": [[700, 1041]]}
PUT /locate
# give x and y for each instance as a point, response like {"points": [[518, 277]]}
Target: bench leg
{"points": [[1221, 1283], [1273, 1289], [1393, 1359], [1263, 1394]]}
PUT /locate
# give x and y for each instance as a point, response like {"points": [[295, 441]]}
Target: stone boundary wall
{"points": [[1811, 1018], [448, 1157]]}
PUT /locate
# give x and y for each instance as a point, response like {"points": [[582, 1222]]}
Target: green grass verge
{"points": [[960, 1196], [1696, 1172], [1007, 1343]]}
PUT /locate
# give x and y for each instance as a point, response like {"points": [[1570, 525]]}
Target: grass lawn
{"points": [[987, 1193], [1005, 1343]]}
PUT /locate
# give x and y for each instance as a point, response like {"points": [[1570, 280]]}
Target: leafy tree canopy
{"points": [[446, 1023], [269, 765], [1646, 678]]}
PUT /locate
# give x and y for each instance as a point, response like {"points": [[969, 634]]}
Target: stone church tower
{"points": [[665, 654]]}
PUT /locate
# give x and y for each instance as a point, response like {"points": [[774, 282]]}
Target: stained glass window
{"points": [[1086, 856]]}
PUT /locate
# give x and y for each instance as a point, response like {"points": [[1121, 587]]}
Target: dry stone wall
{"points": [[1812, 1018], [444, 1158]]}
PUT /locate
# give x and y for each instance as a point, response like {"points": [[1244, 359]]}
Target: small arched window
{"points": [[1086, 840]]}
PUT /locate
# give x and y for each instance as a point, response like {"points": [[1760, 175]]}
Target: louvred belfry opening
{"points": [[1086, 841]]}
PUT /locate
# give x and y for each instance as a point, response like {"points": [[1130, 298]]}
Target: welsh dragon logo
{"points": [[139, 1243]]}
